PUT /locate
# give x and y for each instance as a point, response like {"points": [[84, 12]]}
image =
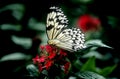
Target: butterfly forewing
{"points": [[56, 21], [67, 39]]}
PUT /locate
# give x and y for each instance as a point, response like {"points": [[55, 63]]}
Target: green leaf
{"points": [[24, 42], [96, 43], [15, 56], [17, 10], [10, 27], [72, 77], [107, 70], [113, 21], [89, 75], [89, 65], [82, 1], [77, 64], [93, 53], [33, 71], [17, 14], [43, 38], [35, 25]]}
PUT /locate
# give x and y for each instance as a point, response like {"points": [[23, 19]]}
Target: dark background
{"points": [[39, 10]]}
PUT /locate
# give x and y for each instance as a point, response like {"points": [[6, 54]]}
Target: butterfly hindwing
{"points": [[72, 38], [56, 21]]}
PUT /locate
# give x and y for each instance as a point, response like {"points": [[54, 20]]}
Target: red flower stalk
{"points": [[40, 67], [66, 67], [88, 23]]}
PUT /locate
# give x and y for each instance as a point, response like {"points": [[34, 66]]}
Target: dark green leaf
{"points": [[78, 64], [89, 65], [113, 21], [107, 70]]}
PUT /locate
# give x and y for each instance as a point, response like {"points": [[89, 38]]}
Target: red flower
{"points": [[42, 59], [50, 56], [87, 22], [48, 64], [38, 59], [49, 48], [42, 47], [35, 60], [63, 53]]}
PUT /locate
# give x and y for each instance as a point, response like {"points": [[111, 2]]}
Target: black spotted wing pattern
{"points": [[72, 38]]}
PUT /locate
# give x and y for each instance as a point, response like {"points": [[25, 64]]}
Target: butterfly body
{"points": [[61, 36], [54, 42]]}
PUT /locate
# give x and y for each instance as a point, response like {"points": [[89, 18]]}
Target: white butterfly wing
{"points": [[56, 21]]}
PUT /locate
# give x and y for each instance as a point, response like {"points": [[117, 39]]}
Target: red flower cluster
{"points": [[87, 23], [49, 56]]}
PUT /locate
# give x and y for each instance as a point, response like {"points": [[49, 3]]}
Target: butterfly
{"points": [[61, 36]]}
